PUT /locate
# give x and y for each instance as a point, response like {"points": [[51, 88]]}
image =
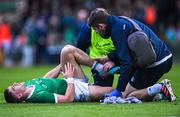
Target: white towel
{"points": [[120, 100]]}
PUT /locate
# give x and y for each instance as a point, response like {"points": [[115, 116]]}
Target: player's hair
{"points": [[9, 97], [98, 15]]}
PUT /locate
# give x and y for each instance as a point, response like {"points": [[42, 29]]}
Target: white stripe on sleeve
{"points": [[55, 97]]}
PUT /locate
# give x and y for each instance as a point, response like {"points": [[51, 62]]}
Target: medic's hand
{"points": [[108, 65]]}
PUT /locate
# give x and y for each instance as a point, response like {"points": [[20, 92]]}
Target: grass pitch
{"points": [[151, 109]]}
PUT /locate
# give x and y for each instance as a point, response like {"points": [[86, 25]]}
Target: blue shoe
{"points": [[115, 93]]}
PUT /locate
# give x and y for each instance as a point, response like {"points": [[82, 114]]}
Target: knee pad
{"points": [[141, 49]]}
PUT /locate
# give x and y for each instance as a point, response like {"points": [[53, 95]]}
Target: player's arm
{"points": [[54, 73], [69, 95]]}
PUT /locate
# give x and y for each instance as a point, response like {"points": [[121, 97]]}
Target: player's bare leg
{"points": [[83, 59], [98, 92], [76, 57], [80, 56]]}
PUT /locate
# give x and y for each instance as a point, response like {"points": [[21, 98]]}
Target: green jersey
{"points": [[45, 89]]}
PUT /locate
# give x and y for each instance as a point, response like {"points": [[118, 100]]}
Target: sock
{"points": [[97, 66], [152, 90]]}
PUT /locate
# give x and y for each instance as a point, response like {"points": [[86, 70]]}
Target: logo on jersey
{"points": [[124, 27]]}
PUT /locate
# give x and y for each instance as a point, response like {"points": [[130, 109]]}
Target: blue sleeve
{"points": [[119, 37], [84, 38], [112, 55]]}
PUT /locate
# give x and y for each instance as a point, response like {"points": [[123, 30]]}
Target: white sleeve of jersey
{"points": [[55, 97]]}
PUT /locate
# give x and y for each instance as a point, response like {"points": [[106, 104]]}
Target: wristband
{"points": [[70, 80]]}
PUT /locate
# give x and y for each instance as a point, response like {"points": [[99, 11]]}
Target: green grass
{"points": [[17, 74]]}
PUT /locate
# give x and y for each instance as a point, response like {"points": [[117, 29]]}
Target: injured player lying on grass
{"points": [[51, 89], [55, 90]]}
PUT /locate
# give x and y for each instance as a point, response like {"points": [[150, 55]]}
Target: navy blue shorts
{"points": [[102, 82], [144, 78]]}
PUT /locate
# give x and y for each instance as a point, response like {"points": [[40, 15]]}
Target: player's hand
{"points": [[108, 65], [69, 70]]}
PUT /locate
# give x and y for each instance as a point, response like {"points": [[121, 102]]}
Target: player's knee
{"points": [[67, 49]]}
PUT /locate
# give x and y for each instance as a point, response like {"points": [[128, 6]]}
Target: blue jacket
{"points": [[120, 28], [84, 38]]}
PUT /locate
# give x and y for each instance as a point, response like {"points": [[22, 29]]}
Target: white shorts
{"points": [[81, 91]]}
